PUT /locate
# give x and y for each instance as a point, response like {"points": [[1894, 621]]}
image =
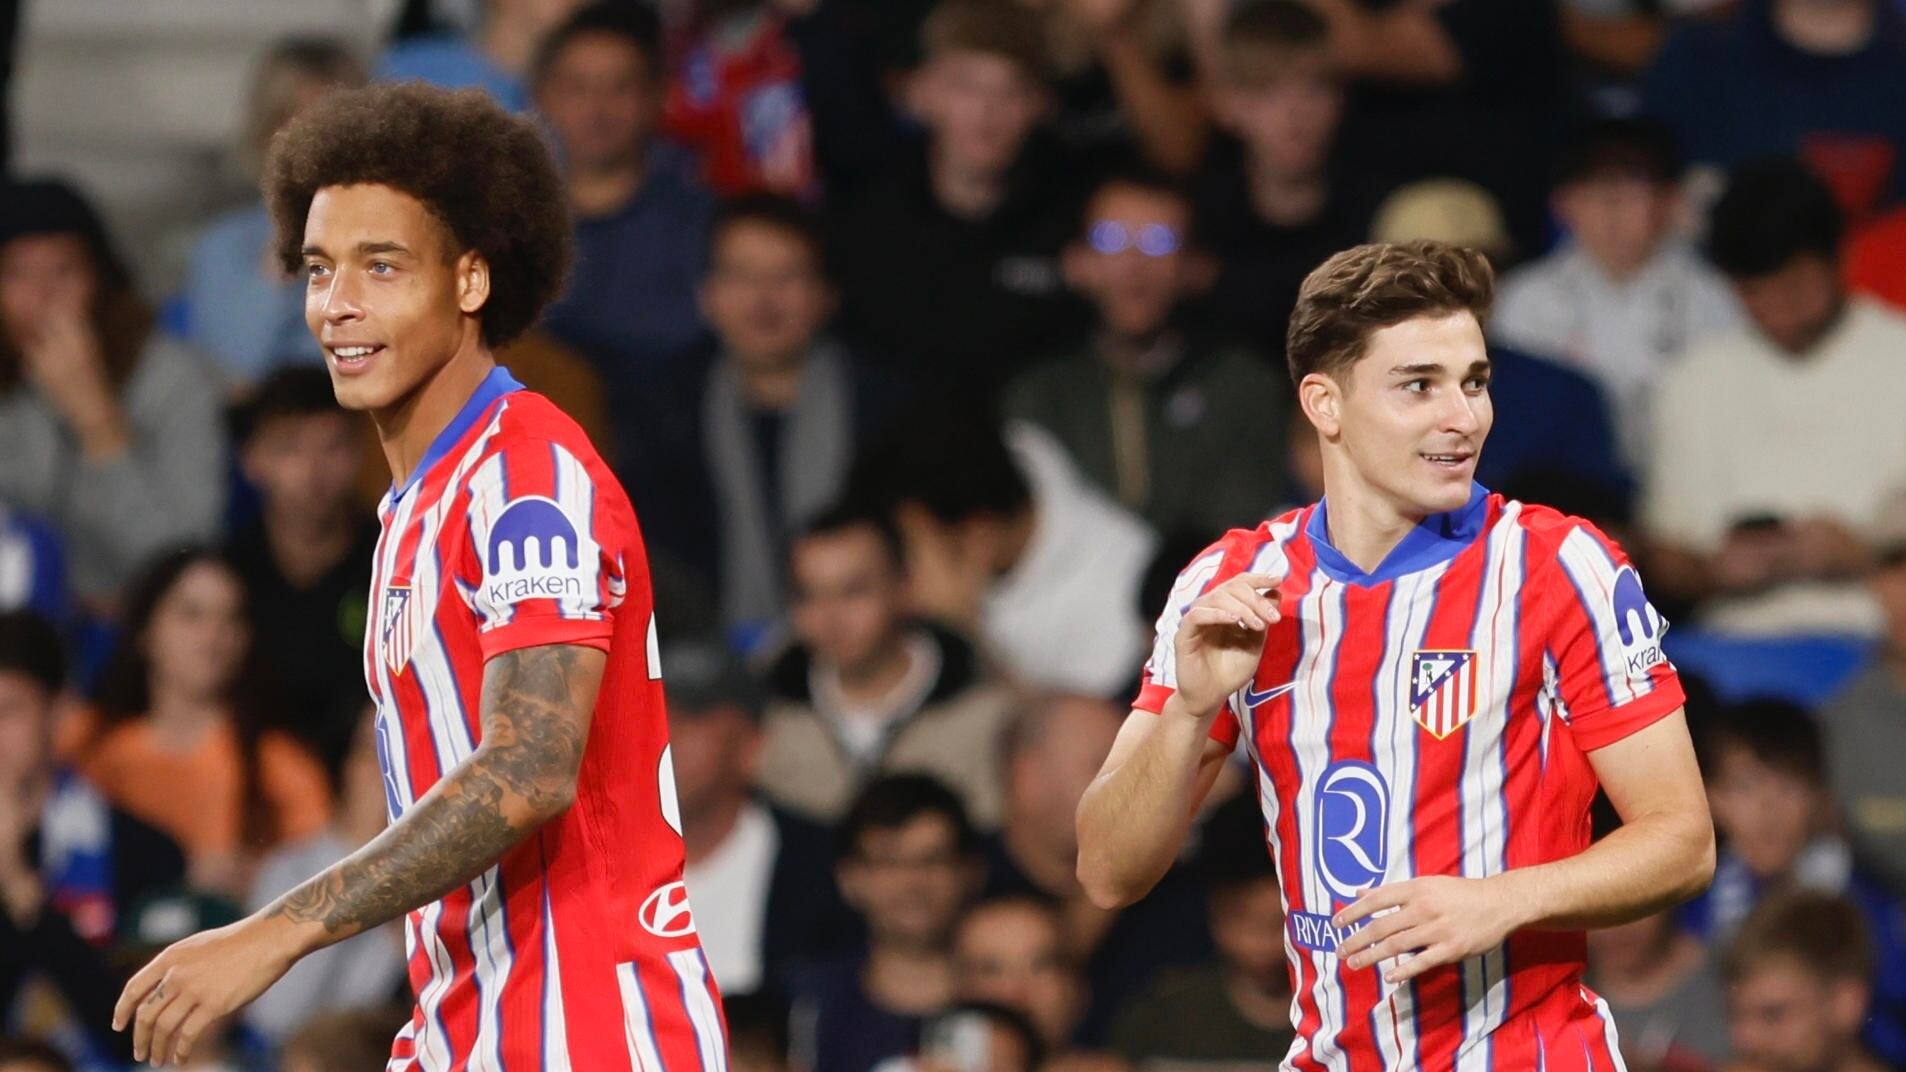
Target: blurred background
{"points": [[930, 340]]}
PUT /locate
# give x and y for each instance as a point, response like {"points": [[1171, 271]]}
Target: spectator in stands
{"points": [[1235, 1009], [109, 429], [864, 690], [1821, 79], [1797, 977], [1007, 543], [344, 1041], [1660, 982], [1528, 391], [1011, 951], [1775, 447], [1051, 754], [307, 559], [949, 261], [735, 97], [762, 877], [363, 971], [1866, 724], [1767, 784], [241, 308], [1621, 297], [35, 575], [737, 448], [758, 1031], [1275, 199], [496, 58], [1123, 80], [174, 734], [641, 217], [977, 1036], [907, 865], [1464, 88], [70, 864], [20, 1056], [1151, 394]]}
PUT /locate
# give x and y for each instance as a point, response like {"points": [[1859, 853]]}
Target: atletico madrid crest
{"points": [[1442, 690], [395, 627]]}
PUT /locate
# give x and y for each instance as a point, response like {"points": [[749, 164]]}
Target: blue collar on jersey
{"points": [[494, 386], [1436, 538]]}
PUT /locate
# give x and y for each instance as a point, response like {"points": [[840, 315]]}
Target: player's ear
{"points": [[1322, 400], [473, 282]]}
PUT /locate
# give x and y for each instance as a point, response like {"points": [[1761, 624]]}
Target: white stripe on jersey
{"points": [[702, 1015], [1311, 709], [555, 1021], [637, 1028], [1485, 818], [432, 1045], [1191, 584], [1394, 747], [1592, 572], [575, 493], [1608, 1034]]}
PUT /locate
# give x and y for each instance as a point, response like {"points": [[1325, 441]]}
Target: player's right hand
{"points": [[1221, 640]]}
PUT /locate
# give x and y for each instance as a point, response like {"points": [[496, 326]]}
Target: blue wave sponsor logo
{"points": [[1638, 624], [535, 552], [1352, 835]]}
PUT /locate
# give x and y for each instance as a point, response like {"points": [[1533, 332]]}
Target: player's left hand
{"points": [[197, 982], [1438, 920]]}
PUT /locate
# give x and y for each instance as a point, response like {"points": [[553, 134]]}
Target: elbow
{"points": [[1103, 889], [1702, 859]]}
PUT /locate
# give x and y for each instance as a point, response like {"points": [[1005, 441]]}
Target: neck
{"points": [[1050, 862], [1362, 525], [906, 980], [1620, 272], [1282, 198], [1827, 29], [705, 829], [875, 676], [968, 193], [306, 547], [510, 42], [600, 191], [406, 428], [1133, 352], [773, 383], [178, 714]]}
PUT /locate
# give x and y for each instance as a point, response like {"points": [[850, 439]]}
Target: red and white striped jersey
{"points": [[577, 950], [1434, 718]]}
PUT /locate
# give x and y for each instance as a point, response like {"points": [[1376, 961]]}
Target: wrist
{"points": [[1193, 709], [286, 939], [1522, 901]]}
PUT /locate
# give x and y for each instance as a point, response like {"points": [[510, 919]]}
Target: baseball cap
{"points": [[701, 674], [1453, 211]]}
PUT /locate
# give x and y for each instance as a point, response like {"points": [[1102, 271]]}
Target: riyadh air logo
{"points": [[665, 914], [1353, 810], [394, 631], [1638, 624], [536, 552], [1442, 690]]}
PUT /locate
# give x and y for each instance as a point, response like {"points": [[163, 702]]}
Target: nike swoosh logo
{"points": [[1257, 699]]}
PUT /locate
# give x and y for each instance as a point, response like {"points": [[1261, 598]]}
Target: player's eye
{"points": [[314, 270], [1477, 384], [383, 267], [1416, 387]]}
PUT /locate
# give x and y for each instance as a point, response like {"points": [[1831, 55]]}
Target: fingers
{"points": [[1373, 932], [1406, 939], [147, 1014], [189, 1033], [165, 1027], [137, 989], [1374, 901], [1433, 956], [1220, 617], [1250, 589]]}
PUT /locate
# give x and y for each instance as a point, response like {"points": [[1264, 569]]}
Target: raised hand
{"points": [[1221, 639]]}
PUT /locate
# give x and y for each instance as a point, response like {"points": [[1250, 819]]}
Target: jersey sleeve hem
{"points": [[1151, 699], [539, 631], [1617, 723]]}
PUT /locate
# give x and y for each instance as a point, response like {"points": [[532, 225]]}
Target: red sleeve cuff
{"points": [[1608, 726], [1151, 698], [536, 632]]}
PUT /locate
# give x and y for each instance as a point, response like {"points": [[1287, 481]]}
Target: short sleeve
{"points": [[543, 563], [1238, 552], [1605, 656]]}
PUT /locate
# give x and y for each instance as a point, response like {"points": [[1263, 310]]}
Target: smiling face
{"points": [[1406, 421], [387, 298]]}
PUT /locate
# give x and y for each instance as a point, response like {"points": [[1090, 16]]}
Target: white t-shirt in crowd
{"points": [[728, 890], [1743, 429]]}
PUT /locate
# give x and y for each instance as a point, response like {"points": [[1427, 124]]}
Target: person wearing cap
{"points": [[110, 430], [1866, 724], [761, 876], [1622, 295]]}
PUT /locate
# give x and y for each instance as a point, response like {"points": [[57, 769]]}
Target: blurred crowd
{"points": [[930, 338]]}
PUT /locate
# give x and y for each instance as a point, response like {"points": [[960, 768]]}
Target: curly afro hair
{"points": [[485, 174]]}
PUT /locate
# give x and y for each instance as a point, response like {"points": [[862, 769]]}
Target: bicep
{"points": [[1652, 771], [537, 705]]}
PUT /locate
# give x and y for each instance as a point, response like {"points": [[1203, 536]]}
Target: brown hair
{"points": [[996, 27], [1261, 37], [1821, 933], [484, 174], [1366, 288]]}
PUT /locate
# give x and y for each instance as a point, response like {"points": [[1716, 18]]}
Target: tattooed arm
{"points": [[537, 704]]}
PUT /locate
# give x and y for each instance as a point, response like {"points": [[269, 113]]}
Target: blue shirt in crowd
{"points": [[453, 63], [249, 318]]}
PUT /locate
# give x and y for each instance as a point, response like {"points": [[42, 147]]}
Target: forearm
{"points": [[1649, 864], [1132, 818], [1169, 121]]}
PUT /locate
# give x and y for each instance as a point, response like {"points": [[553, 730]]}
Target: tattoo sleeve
{"points": [[536, 708]]}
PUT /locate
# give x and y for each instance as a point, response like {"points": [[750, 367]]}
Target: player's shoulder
{"points": [[528, 420], [1252, 550], [1552, 533]]}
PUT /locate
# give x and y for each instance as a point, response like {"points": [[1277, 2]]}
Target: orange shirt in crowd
{"points": [[196, 796]]}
